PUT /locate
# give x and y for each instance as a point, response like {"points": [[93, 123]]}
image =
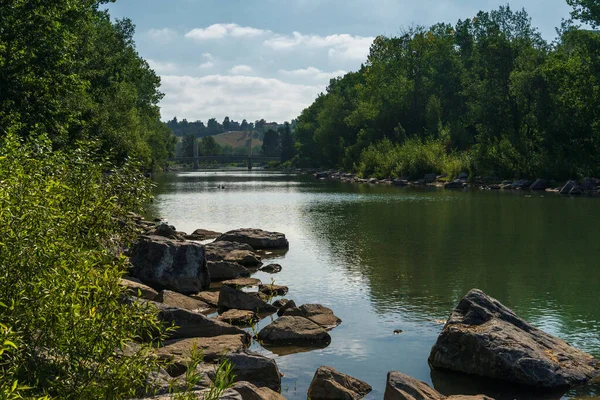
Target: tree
{"points": [[586, 11], [226, 124], [189, 142], [288, 150], [271, 147], [244, 125], [208, 146]]}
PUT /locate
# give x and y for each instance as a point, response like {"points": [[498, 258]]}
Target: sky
{"points": [[253, 59]]}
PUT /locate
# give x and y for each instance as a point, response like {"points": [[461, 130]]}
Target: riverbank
{"points": [[587, 186]]}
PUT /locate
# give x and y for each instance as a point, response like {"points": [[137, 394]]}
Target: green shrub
{"points": [[63, 222]]}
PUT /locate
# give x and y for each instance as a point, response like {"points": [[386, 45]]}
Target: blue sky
{"points": [[270, 58]]}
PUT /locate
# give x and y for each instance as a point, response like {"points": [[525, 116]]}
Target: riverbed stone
{"points": [[294, 330], [483, 337], [211, 298], [242, 282], [231, 298], [255, 368], [248, 391], [238, 317], [271, 268], [286, 306], [217, 251], [174, 299], [202, 234], [317, 313], [163, 263], [457, 184], [280, 302], [191, 324], [257, 238], [273, 290], [138, 289], [403, 387], [179, 351], [566, 189], [246, 258], [224, 270], [539, 184], [329, 384], [167, 231]]}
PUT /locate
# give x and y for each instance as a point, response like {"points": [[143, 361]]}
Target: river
{"points": [[386, 258]]}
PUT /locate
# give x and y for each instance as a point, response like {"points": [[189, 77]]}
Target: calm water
{"points": [[386, 258]]}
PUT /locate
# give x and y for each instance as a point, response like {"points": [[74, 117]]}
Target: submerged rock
{"points": [[329, 384], [271, 268], [167, 264], [292, 330], [202, 234], [483, 337], [257, 238], [403, 387], [233, 298]]}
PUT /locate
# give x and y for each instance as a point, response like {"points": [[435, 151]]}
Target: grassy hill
{"points": [[238, 139]]}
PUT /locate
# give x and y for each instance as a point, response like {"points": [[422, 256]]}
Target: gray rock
{"points": [[174, 299], [167, 264], [400, 182], [257, 238], [280, 303], [224, 270], [539, 184], [179, 351], [292, 330], [271, 268], [457, 184], [238, 317], [329, 384], [167, 231], [429, 178], [288, 305], [483, 337], [192, 325], [242, 282], [217, 251], [246, 258], [249, 391], [521, 184], [256, 369], [317, 313], [233, 298], [211, 298], [229, 394], [566, 189], [403, 387], [138, 289]]}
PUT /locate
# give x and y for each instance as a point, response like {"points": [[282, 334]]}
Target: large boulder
{"points": [[539, 184], [167, 231], [211, 298], [233, 298], [271, 268], [403, 387], [329, 384], [256, 369], [212, 348], [224, 270], [317, 313], [168, 264], [138, 289], [291, 330], [248, 391], [238, 317], [483, 337], [257, 238], [242, 282], [286, 306], [217, 251], [273, 290], [191, 324], [174, 299], [569, 187]]}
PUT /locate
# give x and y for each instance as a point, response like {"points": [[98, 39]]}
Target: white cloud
{"points": [[241, 69], [311, 73], [162, 36], [341, 46], [206, 65], [162, 67], [208, 56], [220, 31], [239, 97]]}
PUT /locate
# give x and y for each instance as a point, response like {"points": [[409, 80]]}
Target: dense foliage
{"points": [[198, 129], [63, 219], [486, 96], [68, 72]]}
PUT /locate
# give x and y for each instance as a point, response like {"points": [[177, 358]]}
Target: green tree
{"points": [[288, 150], [188, 144], [271, 146], [208, 146], [586, 11]]}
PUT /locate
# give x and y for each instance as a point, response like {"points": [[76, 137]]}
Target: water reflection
{"points": [[385, 258]]}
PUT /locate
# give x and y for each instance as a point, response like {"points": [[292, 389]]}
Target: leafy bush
{"points": [[63, 221]]}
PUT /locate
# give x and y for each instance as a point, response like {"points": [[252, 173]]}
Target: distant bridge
{"points": [[225, 159]]}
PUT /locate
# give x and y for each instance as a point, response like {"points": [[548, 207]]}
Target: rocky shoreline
{"points": [[206, 291], [587, 186]]}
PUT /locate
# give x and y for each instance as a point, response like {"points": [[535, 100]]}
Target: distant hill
{"points": [[238, 139]]}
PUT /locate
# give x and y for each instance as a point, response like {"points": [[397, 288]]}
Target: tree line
{"points": [[212, 127], [487, 95]]}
